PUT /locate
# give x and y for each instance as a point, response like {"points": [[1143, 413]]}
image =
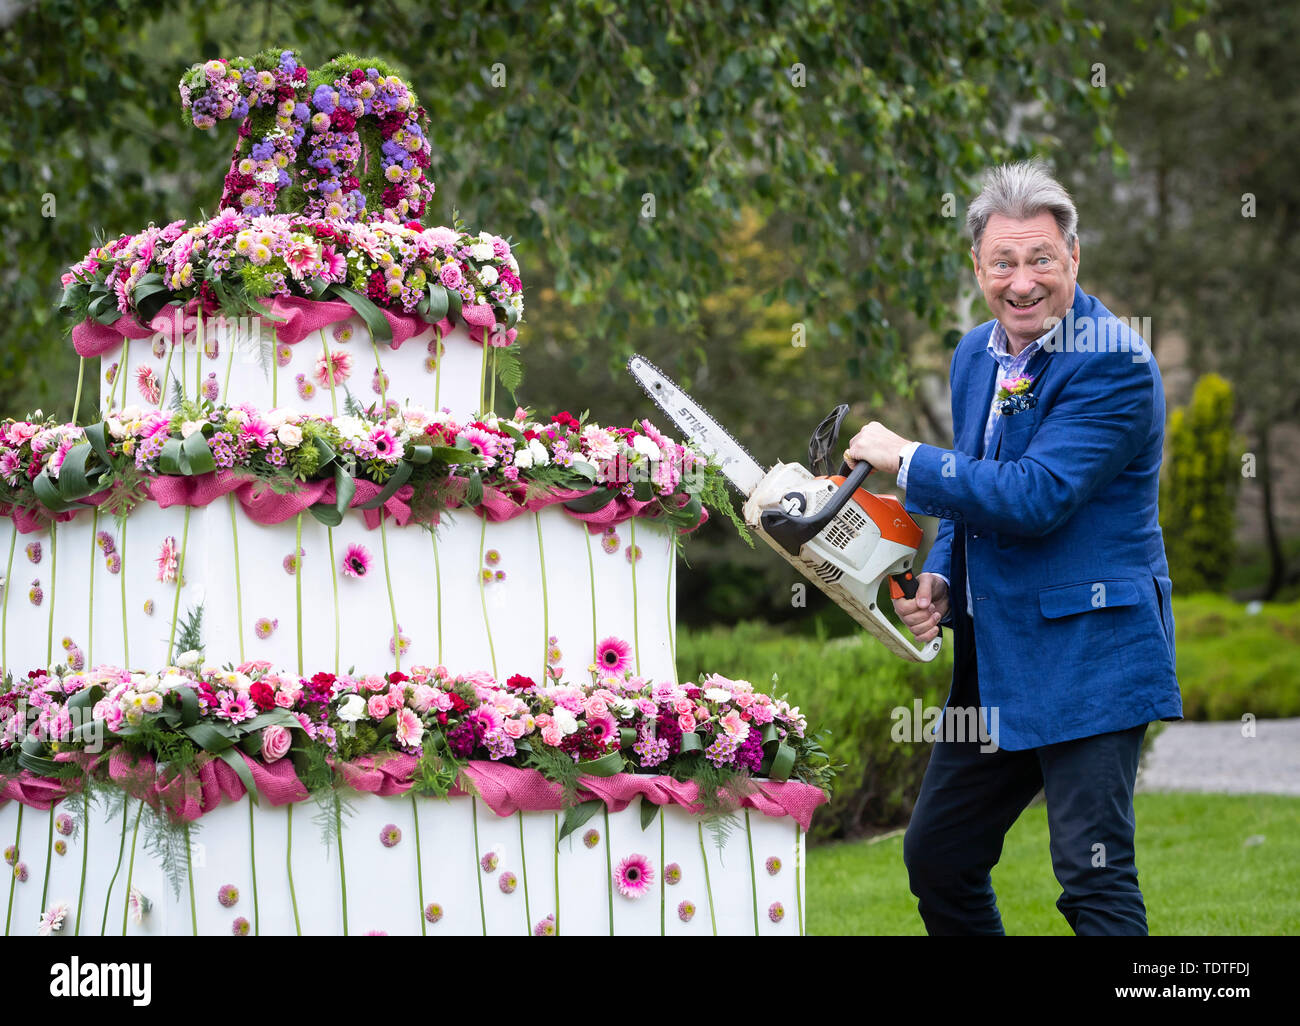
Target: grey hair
{"points": [[1021, 191]]}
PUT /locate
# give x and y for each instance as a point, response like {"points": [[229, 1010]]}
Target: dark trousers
{"points": [[969, 799]]}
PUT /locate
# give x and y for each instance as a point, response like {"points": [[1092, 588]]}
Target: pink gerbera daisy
{"points": [[633, 876], [356, 561], [340, 361], [52, 920], [613, 655], [147, 383], [387, 448]]}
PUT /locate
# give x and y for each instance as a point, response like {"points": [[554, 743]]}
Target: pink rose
{"points": [[285, 699], [422, 698], [744, 699], [377, 706], [683, 706], [646, 707], [702, 712], [396, 696], [374, 682], [515, 729], [686, 722], [552, 736], [275, 743], [597, 708]]}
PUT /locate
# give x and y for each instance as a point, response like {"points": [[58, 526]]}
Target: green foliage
{"points": [[849, 687], [189, 634], [1198, 501], [1232, 662]]}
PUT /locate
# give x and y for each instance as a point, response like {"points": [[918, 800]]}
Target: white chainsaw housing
{"points": [[848, 559]]}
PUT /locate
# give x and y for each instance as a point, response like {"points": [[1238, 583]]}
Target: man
{"points": [[1049, 567]]}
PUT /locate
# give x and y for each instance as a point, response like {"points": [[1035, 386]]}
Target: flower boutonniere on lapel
{"points": [[1014, 395]]}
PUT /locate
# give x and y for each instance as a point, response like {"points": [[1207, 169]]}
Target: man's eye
{"points": [[1044, 260]]}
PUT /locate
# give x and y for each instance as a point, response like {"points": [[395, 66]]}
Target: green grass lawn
{"points": [[1201, 866]]}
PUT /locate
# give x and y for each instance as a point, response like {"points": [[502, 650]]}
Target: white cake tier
{"points": [[233, 363], [292, 883], [558, 581]]}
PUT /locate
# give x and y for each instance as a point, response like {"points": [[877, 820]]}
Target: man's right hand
{"points": [[923, 613]]}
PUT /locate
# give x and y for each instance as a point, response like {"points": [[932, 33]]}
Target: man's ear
{"points": [[975, 262], [1074, 256]]}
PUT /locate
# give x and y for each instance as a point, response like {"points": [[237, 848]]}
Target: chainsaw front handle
{"points": [[792, 532]]}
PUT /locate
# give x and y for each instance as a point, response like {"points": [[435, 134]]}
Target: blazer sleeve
{"points": [[1100, 420]]}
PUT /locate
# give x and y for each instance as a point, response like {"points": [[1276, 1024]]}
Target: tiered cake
{"points": [[297, 554]]}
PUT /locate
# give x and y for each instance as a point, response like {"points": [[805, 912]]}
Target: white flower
{"points": [[717, 694], [144, 682], [189, 659], [351, 427], [115, 428], [276, 417], [512, 263], [290, 435], [540, 456], [481, 251], [172, 681], [488, 275], [190, 426], [564, 719], [52, 920], [352, 708], [645, 447], [238, 416], [523, 458], [130, 413]]}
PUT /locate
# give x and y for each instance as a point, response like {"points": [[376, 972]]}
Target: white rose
{"points": [[115, 428], [352, 708], [276, 417], [174, 680], [290, 435], [540, 456], [481, 251], [564, 719], [190, 426], [488, 275], [523, 458], [189, 659], [646, 447]]}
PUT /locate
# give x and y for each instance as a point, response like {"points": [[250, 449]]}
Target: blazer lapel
{"points": [[977, 404], [1035, 369]]}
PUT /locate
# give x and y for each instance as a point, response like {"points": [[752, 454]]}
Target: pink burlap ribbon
{"points": [[297, 319], [263, 505], [504, 789]]}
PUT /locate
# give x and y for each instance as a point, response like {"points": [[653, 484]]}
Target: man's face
{"points": [[1026, 274]]}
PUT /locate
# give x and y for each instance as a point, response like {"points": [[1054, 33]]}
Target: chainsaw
{"points": [[843, 538]]}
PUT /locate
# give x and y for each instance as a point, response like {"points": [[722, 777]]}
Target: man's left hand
{"points": [[879, 446]]}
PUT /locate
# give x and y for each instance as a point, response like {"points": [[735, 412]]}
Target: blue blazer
{"points": [[1058, 525]]}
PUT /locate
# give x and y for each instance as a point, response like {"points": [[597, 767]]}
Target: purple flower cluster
{"points": [[722, 751], [499, 744], [649, 749]]}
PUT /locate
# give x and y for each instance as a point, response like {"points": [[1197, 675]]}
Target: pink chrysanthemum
{"points": [[168, 560], [390, 835], [340, 361], [545, 927], [485, 575], [489, 862], [105, 542], [140, 905], [613, 655], [591, 838], [60, 847], [672, 874], [773, 865], [36, 596], [148, 607], [399, 644], [686, 911], [240, 927], [611, 543], [431, 364], [114, 563], [492, 557], [110, 375], [500, 575], [507, 883], [265, 627], [52, 919], [634, 875], [20, 872], [283, 354], [292, 562], [228, 895], [306, 390], [343, 332], [64, 824], [553, 654], [432, 912], [376, 933], [356, 561], [633, 553], [210, 388], [379, 383], [11, 854], [776, 912], [34, 551]]}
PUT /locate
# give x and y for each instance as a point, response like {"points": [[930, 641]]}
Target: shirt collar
{"points": [[997, 345]]}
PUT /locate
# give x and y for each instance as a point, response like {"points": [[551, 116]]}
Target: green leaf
{"points": [[649, 810], [577, 815], [236, 762], [394, 482], [437, 303], [598, 499], [198, 455]]}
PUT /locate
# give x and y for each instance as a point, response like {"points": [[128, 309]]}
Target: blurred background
{"points": [[768, 202]]}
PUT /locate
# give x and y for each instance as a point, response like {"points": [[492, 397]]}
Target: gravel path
{"points": [[1215, 757]]}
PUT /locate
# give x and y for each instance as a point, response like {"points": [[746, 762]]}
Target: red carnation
{"points": [[415, 226], [376, 290], [397, 676], [323, 679], [458, 704], [520, 682], [284, 92], [342, 121], [300, 74], [567, 419], [263, 695], [356, 75]]}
